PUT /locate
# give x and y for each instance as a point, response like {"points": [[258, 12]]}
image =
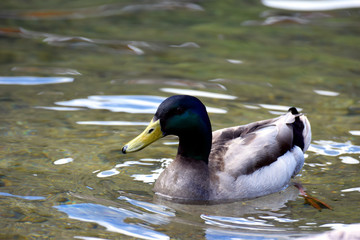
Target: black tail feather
{"points": [[293, 110], [298, 127]]}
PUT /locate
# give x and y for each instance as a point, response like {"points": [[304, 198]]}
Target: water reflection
{"points": [[88, 238], [215, 234], [277, 107], [236, 222], [154, 208], [331, 148], [59, 108], [327, 93], [99, 11], [273, 20], [349, 160], [46, 70], [63, 161], [33, 80], [114, 219], [106, 173], [22, 197], [171, 82], [112, 123], [122, 103], [247, 217], [306, 5], [235, 61], [274, 109], [355, 189], [186, 45], [198, 93], [355, 132], [117, 103], [113, 46], [146, 177], [155, 173]]}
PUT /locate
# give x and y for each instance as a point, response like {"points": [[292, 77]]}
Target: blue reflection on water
{"points": [[113, 219], [225, 234], [330, 148], [123, 103], [127, 103], [242, 228], [239, 223], [154, 208], [23, 197], [31, 80]]}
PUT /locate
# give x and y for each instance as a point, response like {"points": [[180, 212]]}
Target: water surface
{"points": [[79, 79]]}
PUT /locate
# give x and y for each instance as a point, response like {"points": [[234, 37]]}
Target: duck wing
{"points": [[244, 149]]}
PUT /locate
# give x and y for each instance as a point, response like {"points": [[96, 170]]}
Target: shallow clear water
{"points": [[79, 79]]}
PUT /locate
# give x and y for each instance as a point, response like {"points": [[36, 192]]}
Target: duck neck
{"points": [[196, 145]]}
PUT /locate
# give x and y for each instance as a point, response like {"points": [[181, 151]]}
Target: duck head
{"points": [[180, 115]]}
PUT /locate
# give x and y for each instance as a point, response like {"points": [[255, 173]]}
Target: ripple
{"points": [[235, 61], [275, 20], [99, 11], [89, 238], [63, 161], [349, 160], [150, 207], [186, 45], [113, 46], [107, 173], [215, 234], [23, 197], [112, 123], [171, 82], [130, 163], [234, 220], [198, 93], [32, 80], [117, 103], [154, 174], [59, 108], [238, 223], [279, 219], [123, 103], [327, 93], [148, 177], [278, 107], [46, 70], [355, 132], [114, 219], [301, 5], [129, 47], [356, 189], [250, 106], [330, 148]]}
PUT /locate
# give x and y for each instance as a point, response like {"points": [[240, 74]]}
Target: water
{"points": [[80, 80]]}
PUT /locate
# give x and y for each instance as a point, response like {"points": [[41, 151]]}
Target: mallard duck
{"points": [[241, 162]]}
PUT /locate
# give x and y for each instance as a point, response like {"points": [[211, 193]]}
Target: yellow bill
{"points": [[149, 135]]}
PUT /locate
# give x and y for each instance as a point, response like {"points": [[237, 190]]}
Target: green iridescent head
{"points": [[183, 116]]}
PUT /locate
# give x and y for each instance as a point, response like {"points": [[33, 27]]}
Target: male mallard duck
{"points": [[239, 162]]}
